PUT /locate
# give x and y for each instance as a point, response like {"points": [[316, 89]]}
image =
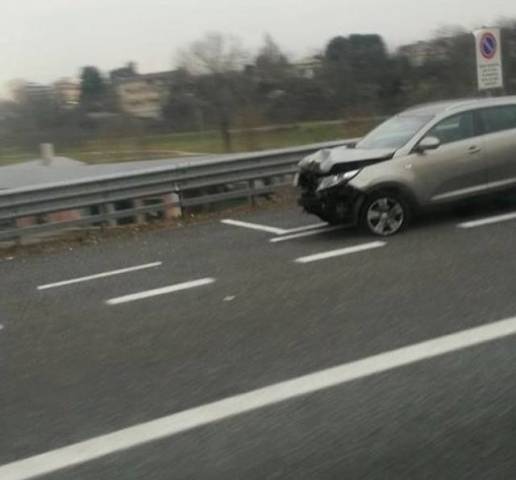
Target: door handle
{"points": [[474, 149]]}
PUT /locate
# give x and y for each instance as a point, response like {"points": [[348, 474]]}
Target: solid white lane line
{"points": [[254, 226], [341, 252], [171, 425], [488, 221], [160, 291], [306, 228], [304, 234], [100, 275]]}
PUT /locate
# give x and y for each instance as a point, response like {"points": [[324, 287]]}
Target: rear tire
{"points": [[385, 214]]}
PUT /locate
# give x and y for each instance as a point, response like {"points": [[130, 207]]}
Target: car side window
{"points": [[498, 119], [455, 128]]}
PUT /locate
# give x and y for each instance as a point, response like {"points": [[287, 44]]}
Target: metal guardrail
{"points": [[28, 211]]}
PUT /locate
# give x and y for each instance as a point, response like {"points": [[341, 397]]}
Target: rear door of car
{"points": [[457, 169], [499, 127]]}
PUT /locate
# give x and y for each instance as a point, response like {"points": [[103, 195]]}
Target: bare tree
{"points": [[215, 53], [216, 61], [271, 62]]}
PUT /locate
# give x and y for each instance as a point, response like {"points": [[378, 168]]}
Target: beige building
{"points": [[308, 67], [68, 93], [421, 52], [31, 91], [144, 96]]}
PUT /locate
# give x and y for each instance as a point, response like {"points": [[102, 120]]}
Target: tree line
{"points": [[219, 85]]}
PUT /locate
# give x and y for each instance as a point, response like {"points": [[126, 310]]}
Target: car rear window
{"points": [[498, 119]]}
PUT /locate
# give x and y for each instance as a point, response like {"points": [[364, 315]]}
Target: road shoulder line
{"points": [[187, 420], [488, 221]]}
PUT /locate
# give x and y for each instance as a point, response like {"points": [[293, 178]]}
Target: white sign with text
{"points": [[489, 58]]}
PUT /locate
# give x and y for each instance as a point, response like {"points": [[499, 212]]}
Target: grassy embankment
{"points": [[150, 147]]}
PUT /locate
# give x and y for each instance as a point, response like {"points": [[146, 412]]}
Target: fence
{"points": [[105, 200]]}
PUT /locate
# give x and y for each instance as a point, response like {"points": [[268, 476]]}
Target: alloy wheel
{"points": [[385, 216]]}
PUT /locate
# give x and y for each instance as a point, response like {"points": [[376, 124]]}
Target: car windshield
{"points": [[395, 132]]}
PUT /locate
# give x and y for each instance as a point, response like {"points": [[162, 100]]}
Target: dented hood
{"points": [[342, 159]]}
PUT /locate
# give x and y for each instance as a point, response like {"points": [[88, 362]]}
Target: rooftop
{"points": [[167, 76]]}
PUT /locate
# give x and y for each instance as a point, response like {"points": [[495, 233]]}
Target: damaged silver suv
{"points": [[423, 158]]}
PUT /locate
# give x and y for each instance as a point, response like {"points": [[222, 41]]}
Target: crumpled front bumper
{"points": [[336, 205]]}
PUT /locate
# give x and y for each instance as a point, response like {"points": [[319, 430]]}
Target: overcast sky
{"points": [[41, 40]]}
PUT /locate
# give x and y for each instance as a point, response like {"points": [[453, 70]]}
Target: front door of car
{"points": [[457, 168]]}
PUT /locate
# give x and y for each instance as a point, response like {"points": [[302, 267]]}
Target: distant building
{"points": [[421, 52], [8, 113], [128, 71], [36, 91], [308, 67], [68, 93], [142, 95], [65, 93]]}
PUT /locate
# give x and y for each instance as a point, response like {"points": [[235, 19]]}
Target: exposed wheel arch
{"points": [[398, 189]]}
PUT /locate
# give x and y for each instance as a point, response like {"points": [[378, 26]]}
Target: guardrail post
{"points": [[109, 209], [139, 218], [19, 239], [173, 208], [252, 198]]}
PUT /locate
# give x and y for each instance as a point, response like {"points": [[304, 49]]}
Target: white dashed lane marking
{"points": [[160, 291], [310, 233], [273, 230], [100, 275], [305, 228], [341, 252], [254, 226]]}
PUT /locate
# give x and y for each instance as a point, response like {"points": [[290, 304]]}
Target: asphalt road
{"points": [[91, 358]]}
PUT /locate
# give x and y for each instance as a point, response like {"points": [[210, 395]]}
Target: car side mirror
{"points": [[428, 143]]}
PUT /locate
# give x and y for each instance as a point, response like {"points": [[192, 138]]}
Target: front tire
{"points": [[385, 214]]}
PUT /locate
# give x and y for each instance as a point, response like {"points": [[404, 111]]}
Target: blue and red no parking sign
{"points": [[488, 46], [489, 58]]}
